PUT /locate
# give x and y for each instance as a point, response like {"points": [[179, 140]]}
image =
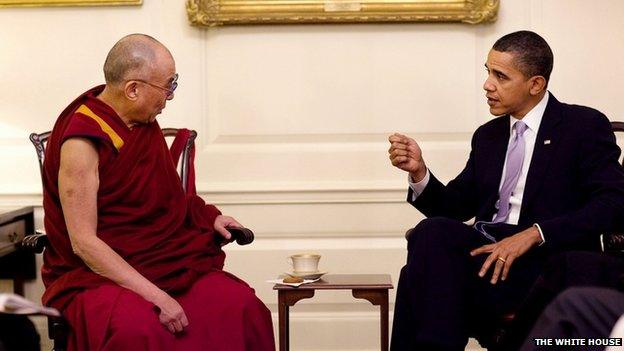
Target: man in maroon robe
{"points": [[133, 262]]}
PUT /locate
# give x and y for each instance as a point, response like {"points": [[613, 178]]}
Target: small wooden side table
{"points": [[15, 264], [371, 287]]}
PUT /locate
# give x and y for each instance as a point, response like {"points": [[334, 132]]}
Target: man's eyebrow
{"points": [[497, 71]]}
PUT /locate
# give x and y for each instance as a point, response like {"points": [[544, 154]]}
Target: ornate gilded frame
{"points": [[228, 12], [40, 3]]}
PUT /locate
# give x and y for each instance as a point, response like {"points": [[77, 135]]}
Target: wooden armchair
{"points": [[58, 327]]}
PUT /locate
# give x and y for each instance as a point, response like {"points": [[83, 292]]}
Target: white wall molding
{"points": [[256, 193]]}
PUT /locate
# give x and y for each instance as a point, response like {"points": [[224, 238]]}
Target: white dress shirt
{"points": [[532, 119]]}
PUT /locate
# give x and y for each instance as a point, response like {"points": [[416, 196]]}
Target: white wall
{"points": [[293, 122]]}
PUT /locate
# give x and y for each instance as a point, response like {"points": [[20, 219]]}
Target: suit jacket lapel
{"points": [[495, 152], [545, 144]]}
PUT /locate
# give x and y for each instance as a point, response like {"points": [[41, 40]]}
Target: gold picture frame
{"points": [[41, 3], [230, 12]]}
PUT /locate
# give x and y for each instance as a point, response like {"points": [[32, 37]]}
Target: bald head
{"points": [[134, 54]]}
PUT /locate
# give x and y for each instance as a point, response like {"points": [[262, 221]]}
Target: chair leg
{"points": [[60, 345], [58, 331]]}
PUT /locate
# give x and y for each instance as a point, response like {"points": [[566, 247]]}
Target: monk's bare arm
{"points": [[78, 188]]}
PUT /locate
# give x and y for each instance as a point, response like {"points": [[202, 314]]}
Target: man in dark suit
{"points": [[542, 178], [579, 312], [570, 270]]}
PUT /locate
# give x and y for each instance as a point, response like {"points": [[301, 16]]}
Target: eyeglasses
{"points": [[168, 91]]}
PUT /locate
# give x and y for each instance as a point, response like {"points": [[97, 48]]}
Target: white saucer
{"points": [[307, 275]]}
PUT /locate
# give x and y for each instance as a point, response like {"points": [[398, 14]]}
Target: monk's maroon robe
{"points": [[148, 219]]}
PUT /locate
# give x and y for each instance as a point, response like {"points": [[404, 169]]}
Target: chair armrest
{"points": [[58, 330], [35, 242], [242, 236], [613, 242], [408, 234]]}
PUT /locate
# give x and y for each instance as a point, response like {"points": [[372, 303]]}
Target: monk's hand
{"points": [[505, 252], [171, 314], [405, 154], [220, 225]]}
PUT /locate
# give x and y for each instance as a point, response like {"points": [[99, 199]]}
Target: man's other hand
{"points": [[171, 314], [505, 252], [221, 222], [405, 154]]}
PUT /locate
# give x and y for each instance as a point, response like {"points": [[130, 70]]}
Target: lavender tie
{"points": [[515, 157]]}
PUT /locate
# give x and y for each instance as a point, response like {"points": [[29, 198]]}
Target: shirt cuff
{"points": [[539, 229], [419, 187]]}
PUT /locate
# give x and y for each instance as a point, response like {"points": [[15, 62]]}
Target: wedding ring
{"points": [[501, 259]]}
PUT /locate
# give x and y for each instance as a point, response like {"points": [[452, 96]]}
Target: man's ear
{"points": [[537, 84], [130, 90]]}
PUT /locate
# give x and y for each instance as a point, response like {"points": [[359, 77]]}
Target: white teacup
{"points": [[305, 262]]}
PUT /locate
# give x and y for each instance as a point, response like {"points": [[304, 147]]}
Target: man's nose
{"points": [[487, 85]]}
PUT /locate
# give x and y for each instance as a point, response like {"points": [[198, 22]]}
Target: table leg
{"points": [[283, 322], [377, 298], [383, 310], [285, 299]]}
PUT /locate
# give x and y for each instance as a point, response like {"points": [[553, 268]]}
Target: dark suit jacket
{"points": [[574, 188]]}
